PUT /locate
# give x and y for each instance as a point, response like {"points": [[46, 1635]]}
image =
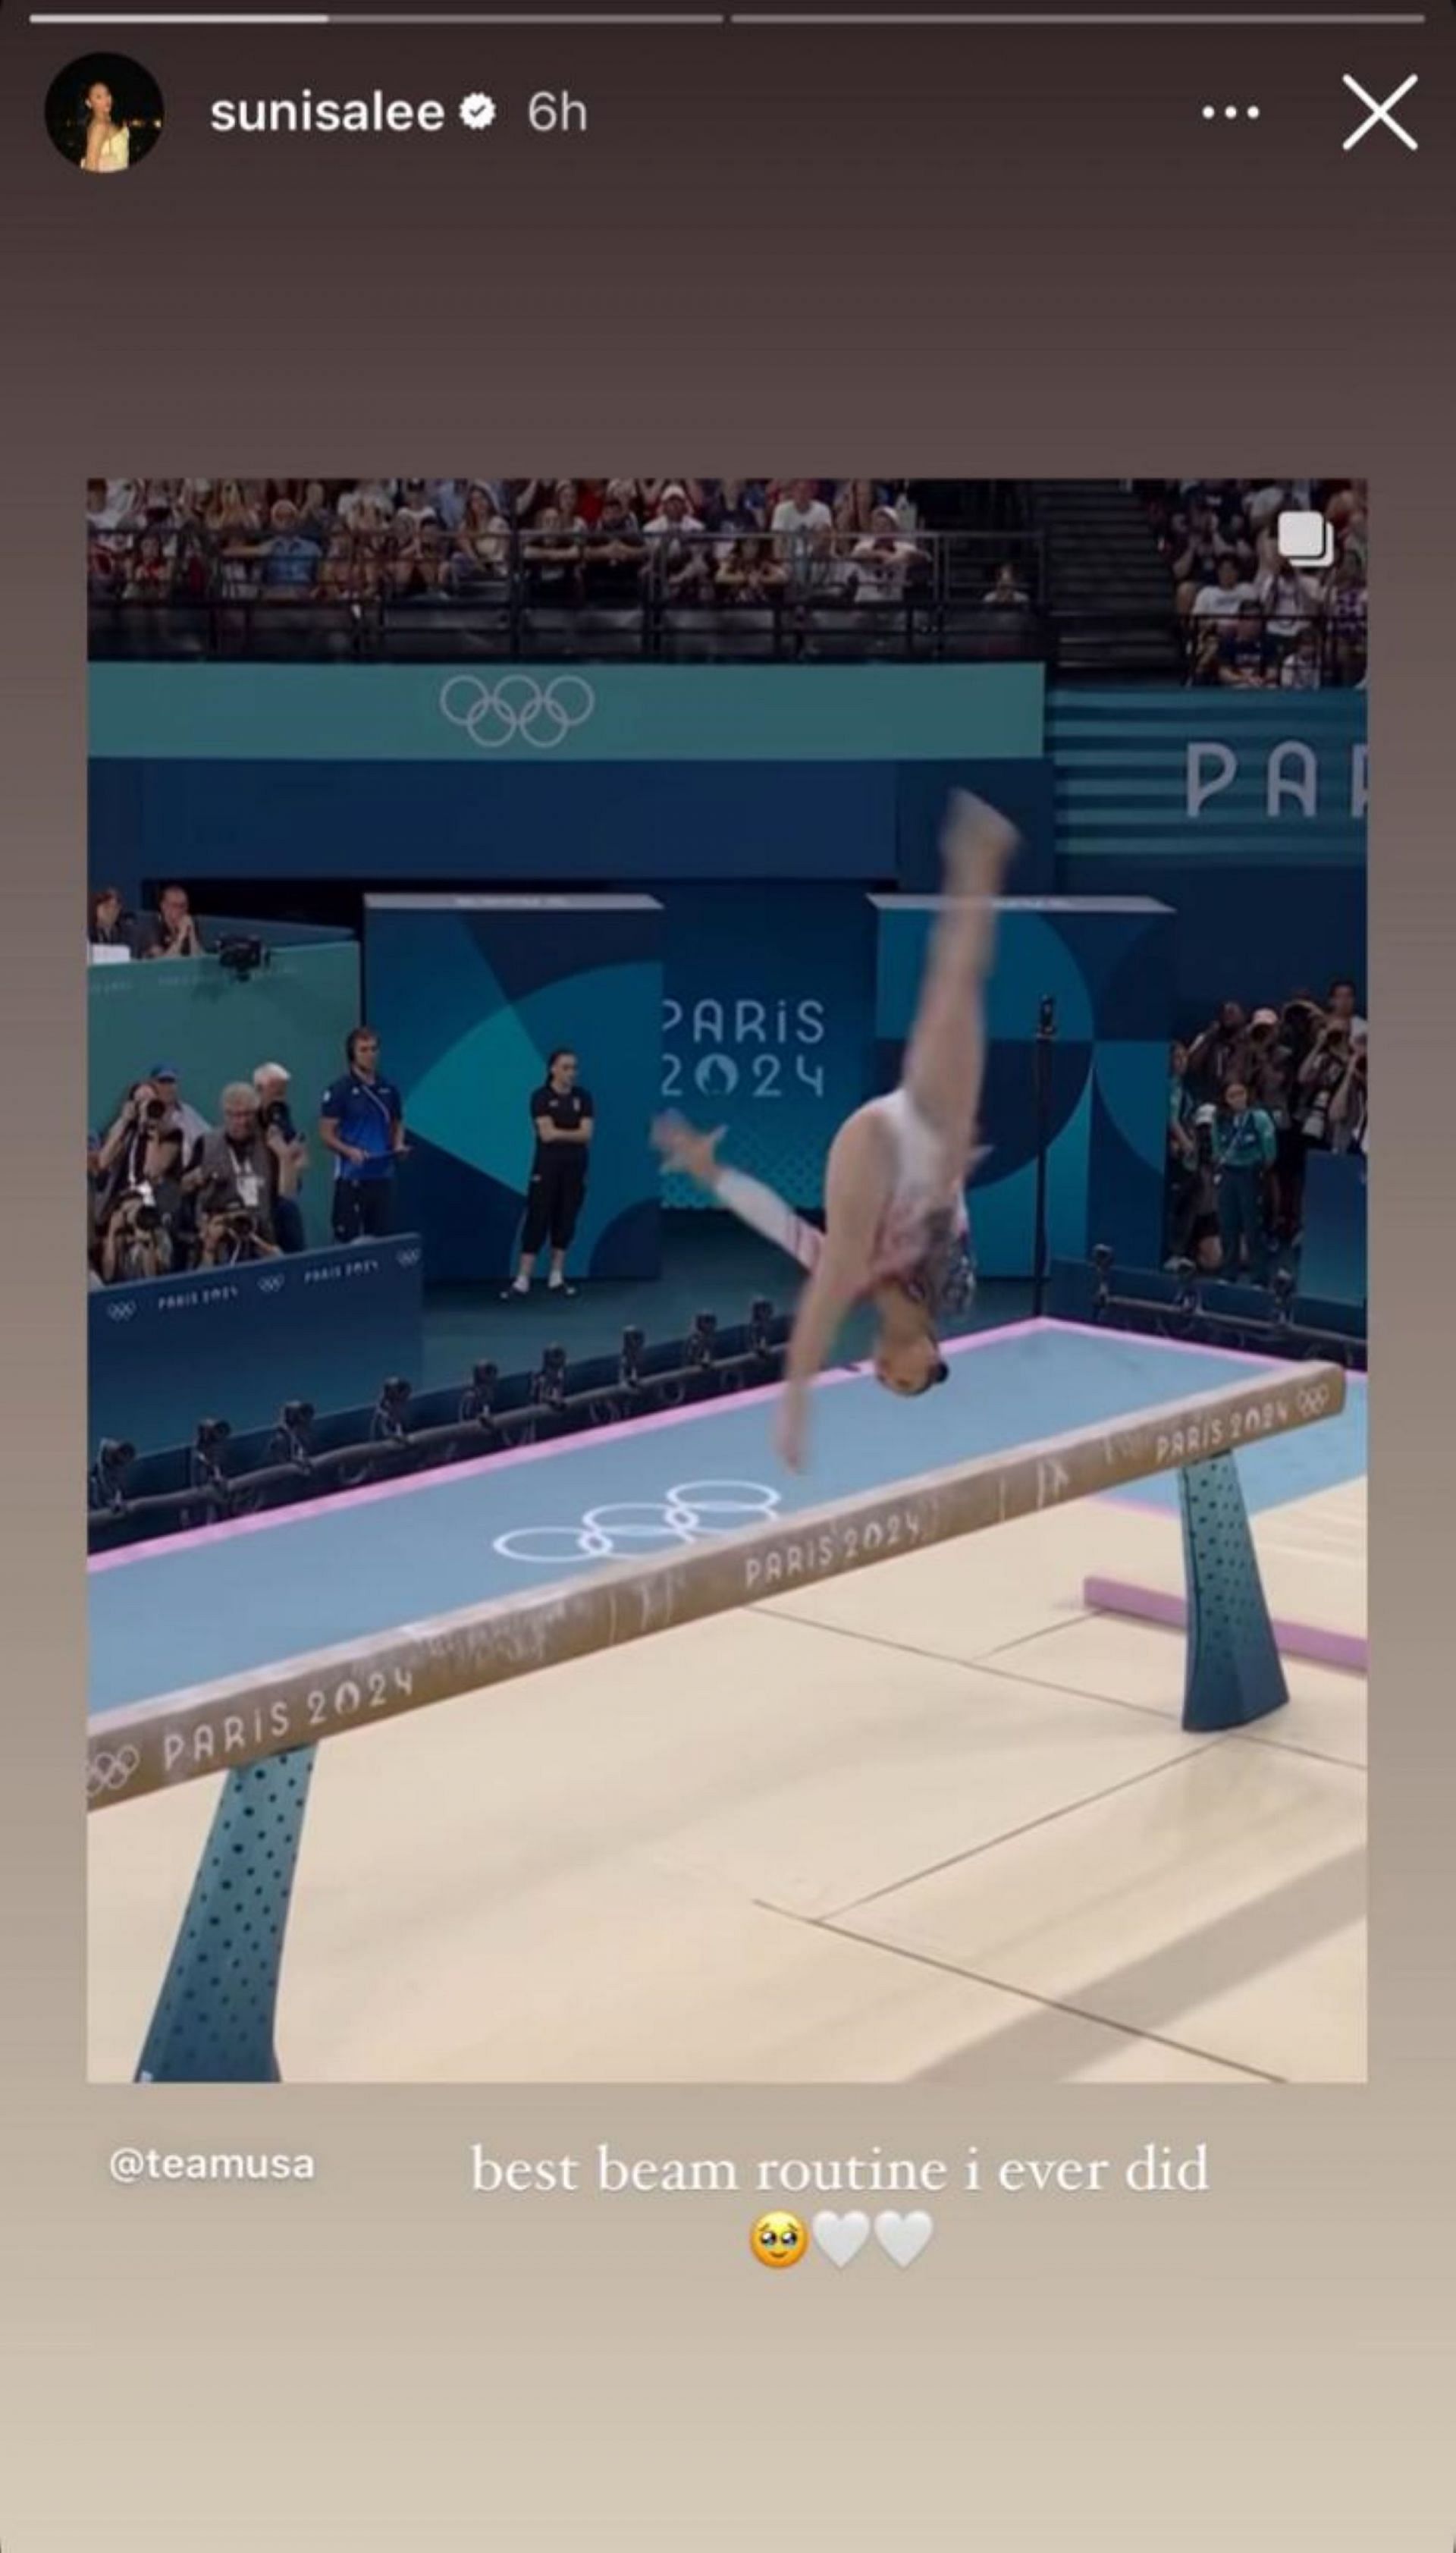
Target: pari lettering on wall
{"points": [[1245, 813], [1294, 776]]}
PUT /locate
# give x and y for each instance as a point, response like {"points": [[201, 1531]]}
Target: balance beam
{"points": [[216, 2018], [269, 1711]]}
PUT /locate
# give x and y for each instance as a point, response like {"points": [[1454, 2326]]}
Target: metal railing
{"points": [[533, 594], [1314, 650]]}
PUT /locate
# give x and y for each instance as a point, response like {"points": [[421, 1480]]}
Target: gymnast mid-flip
{"points": [[896, 1230]]}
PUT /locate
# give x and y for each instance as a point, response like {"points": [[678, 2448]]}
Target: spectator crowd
{"points": [[1253, 621], [353, 542], [1250, 1098]]}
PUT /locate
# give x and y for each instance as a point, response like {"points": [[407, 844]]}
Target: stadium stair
{"points": [[1101, 554]]}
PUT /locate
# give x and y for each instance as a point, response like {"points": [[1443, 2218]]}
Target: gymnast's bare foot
{"points": [[977, 847]]}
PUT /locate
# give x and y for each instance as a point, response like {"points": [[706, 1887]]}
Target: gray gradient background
{"points": [[943, 252]]}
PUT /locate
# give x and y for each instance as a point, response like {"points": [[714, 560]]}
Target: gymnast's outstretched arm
{"points": [[856, 1185], [839, 1261], [759, 1206]]}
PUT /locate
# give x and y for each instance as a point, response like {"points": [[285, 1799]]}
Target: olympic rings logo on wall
{"points": [[518, 710], [106, 1771], [695, 1511]]}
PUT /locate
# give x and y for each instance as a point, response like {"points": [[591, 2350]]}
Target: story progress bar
{"points": [[759, 21]]}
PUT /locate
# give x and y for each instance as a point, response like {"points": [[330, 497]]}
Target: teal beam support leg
{"points": [[1233, 1672], [217, 2011]]}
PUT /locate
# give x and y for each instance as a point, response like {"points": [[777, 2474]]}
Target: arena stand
{"points": [[751, 569], [1252, 621]]}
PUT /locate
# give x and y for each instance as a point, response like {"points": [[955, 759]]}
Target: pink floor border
{"points": [[1348, 1650], [208, 1534]]}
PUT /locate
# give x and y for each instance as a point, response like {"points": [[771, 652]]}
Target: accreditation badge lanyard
{"points": [[372, 1094], [246, 1179]]}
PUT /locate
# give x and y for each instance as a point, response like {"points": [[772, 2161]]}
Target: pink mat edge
{"points": [[1346, 1651]]}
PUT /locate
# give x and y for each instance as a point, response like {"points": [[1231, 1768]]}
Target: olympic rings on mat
{"points": [[695, 1511]]}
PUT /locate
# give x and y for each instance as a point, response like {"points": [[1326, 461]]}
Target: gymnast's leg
{"points": [[946, 1060]]}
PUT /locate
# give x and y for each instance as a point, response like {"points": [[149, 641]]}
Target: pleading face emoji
{"points": [[779, 2241]]}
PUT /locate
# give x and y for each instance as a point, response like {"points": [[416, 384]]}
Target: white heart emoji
{"points": [[903, 2237], [841, 2237]]}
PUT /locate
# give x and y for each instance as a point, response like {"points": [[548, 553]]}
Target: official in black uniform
{"points": [[562, 1115]]}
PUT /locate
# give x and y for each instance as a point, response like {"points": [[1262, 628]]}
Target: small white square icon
{"points": [[1305, 540]]}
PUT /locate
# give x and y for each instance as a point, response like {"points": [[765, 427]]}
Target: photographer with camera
{"points": [[1300, 1021], [1342, 1003], [143, 1149], [137, 1242], [1244, 1150], [95, 1194], [1349, 1107], [233, 1168], [1321, 1075], [1271, 1086], [228, 1234], [1182, 1155], [189, 1121], [1193, 1235], [271, 1084], [1219, 1054]]}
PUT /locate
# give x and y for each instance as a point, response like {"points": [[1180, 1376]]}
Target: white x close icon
{"points": [[1379, 113]]}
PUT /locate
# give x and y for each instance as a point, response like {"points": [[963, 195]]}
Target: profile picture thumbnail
{"points": [[104, 113]]}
